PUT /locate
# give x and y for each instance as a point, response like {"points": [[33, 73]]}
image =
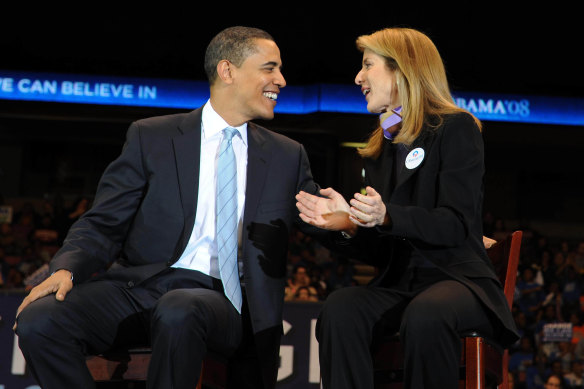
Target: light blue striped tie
{"points": [[227, 219]]}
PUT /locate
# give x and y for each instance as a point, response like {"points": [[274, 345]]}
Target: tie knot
{"points": [[230, 133]]}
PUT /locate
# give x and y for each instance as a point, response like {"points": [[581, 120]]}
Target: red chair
{"points": [[481, 359]]}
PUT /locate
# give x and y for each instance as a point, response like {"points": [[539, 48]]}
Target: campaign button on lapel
{"points": [[414, 158]]}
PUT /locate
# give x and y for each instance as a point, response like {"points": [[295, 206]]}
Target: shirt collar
{"points": [[213, 123]]}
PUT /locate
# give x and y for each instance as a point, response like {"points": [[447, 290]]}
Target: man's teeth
{"points": [[365, 91], [271, 95]]}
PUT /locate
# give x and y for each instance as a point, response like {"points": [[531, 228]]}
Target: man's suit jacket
{"points": [[435, 207], [144, 213]]}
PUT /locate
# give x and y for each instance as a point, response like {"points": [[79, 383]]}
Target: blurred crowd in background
{"points": [[549, 289]]}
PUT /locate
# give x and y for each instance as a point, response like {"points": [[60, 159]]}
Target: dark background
{"points": [[534, 178], [486, 46], [534, 172]]}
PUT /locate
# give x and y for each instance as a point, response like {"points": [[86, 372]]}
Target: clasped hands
{"points": [[332, 212]]}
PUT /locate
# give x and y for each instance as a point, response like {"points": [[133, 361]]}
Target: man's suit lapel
{"points": [[187, 153], [258, 158]]}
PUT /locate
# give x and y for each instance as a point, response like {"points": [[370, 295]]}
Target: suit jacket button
{"points": [[130, 284]]}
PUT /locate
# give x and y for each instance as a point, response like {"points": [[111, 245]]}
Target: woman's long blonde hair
{"points": [[420, 80]]}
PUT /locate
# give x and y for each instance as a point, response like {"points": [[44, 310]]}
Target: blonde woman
{"points": [[419, 223]]}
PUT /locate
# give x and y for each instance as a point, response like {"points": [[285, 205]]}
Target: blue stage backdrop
{"points": [[185, 94], [299, 367]]}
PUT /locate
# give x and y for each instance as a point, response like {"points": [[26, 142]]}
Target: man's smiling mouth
{"points": [[271, 95]]}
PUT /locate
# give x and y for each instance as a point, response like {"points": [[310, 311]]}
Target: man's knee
{"points": [[178, 307], [36, 322]]}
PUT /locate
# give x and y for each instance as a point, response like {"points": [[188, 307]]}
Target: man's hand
{"points": [[59, 283], [330, 212]]}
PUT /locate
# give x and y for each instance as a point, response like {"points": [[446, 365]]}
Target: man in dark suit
{"points": [[154, 216]]}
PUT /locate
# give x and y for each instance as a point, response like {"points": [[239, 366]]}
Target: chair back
{"points": [[505, 257]]}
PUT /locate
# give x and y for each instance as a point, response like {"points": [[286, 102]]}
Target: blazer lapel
{"points": [[422, 144], [187, 152], [258, 157], [378, 170]]}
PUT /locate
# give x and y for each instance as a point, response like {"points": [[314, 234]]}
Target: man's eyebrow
{"points": [[271, 63]]}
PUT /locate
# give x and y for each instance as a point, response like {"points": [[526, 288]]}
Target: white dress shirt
{"points": [[201, 251]]}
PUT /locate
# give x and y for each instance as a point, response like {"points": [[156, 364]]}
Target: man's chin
{"points": [[266, 115]]}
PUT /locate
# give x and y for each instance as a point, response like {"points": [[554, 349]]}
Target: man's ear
{"points": [[224, 68]]}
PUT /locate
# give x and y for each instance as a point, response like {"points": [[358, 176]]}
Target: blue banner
{"points": [[68, 88], [523, 109], [188, 94]]}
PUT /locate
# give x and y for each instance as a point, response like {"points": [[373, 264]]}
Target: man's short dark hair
{"points": [[234, 44]]}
